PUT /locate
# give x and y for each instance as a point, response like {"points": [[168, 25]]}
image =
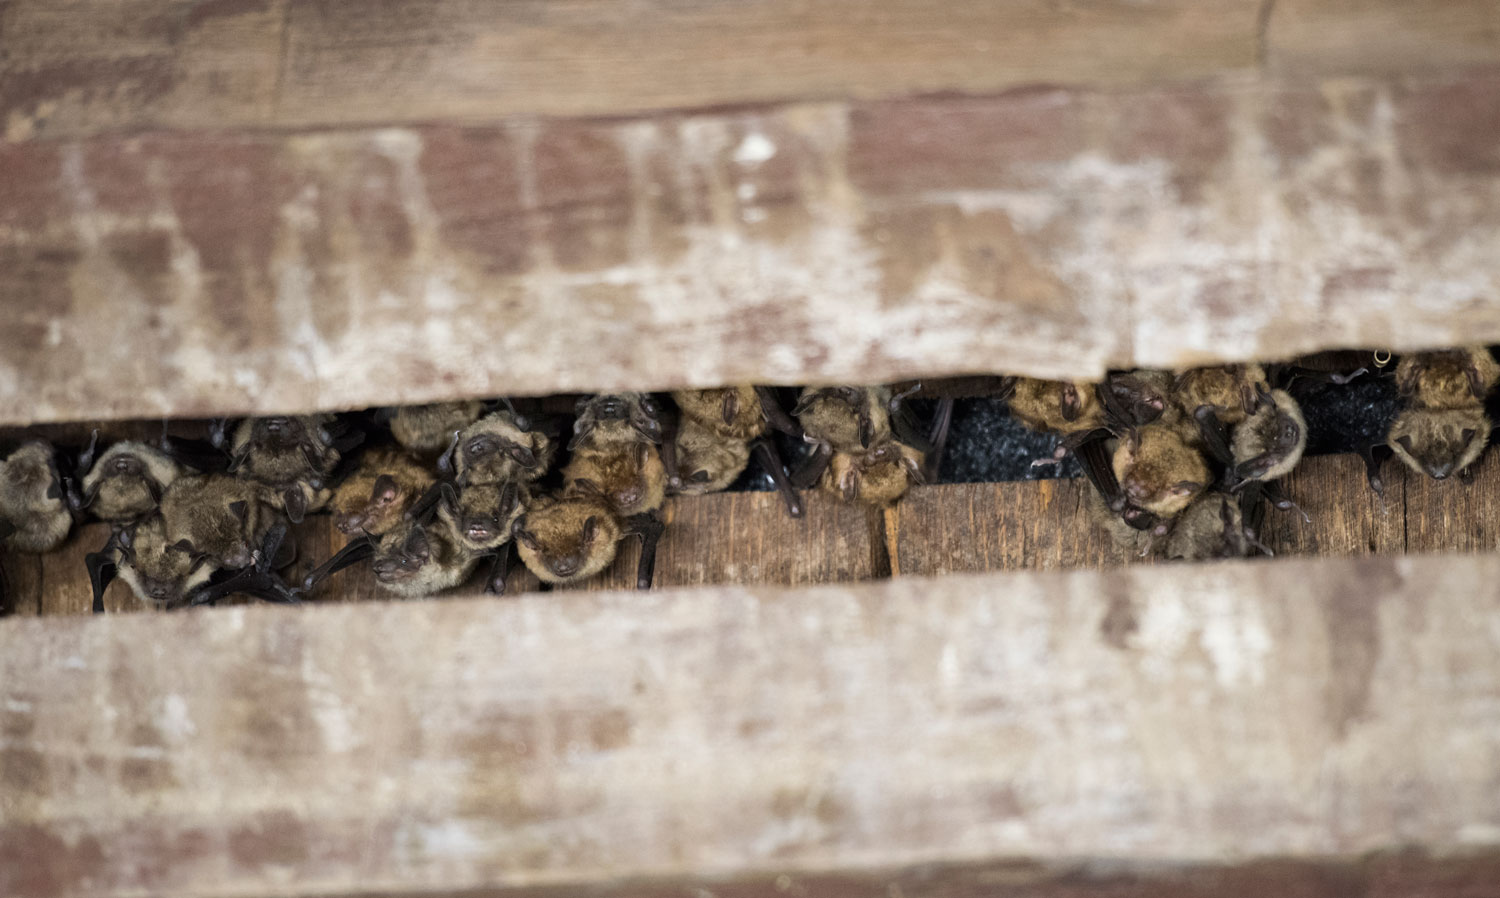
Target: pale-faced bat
{"points": [[31, 499], [417, 559], [481, 518], [500, 447], [1443, 427], [844, 419], [124, 483]]}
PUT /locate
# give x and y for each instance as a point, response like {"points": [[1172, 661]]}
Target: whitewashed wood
{"points": [[1164, 714]]}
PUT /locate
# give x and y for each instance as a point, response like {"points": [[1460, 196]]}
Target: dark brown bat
{"points": [[719, 430], [384, 484], [430, 428]]}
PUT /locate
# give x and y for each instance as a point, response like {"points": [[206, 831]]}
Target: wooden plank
{"points": [[412, 60], [1346, 516], [969, 527], [591, 738], [76, 68], [1051, 232], [1384, 875], [748, 538], [1361, 37], [1461, 517]]}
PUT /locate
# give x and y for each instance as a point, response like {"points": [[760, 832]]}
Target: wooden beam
{"points": [[76, 68], [1163, 715], [1050, 232], [1363, 37]]}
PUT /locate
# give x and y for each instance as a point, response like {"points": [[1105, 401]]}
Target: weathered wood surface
{"points": [[1163, 714], [1387, 875], [76, 68], [748, 539], [1050, 232]]}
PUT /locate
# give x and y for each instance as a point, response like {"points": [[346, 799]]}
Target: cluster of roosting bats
{"points": [[1183, 464]]}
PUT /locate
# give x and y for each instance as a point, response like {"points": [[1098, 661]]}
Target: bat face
{"points": [[1439, 443]]}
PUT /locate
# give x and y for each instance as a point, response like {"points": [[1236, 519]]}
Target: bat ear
{"points": [[866, 429], [699, 477], [1405, 443], [730, 407], [849, 485], [1186, 487], [450, 495], [445, 461], [1071, 405], [522, 455], [295, 502], [581, 429], [647, 426], [240, 510], [913, 470], [384, 491], [510, 498], [522, 535], [184, 545], [588, 486]]}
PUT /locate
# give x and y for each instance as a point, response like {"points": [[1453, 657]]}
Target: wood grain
{"points": [[1356, 37], [1384, 875], [749, 538], [77, 68], [968, 527], [74, 69], [590, 739], [1052, 232]]}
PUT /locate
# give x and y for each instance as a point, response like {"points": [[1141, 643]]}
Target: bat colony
{"points": [[1184, 465]]}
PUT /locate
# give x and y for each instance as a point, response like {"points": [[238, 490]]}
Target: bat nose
{"points": [[565, 567], [478, 532]]}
